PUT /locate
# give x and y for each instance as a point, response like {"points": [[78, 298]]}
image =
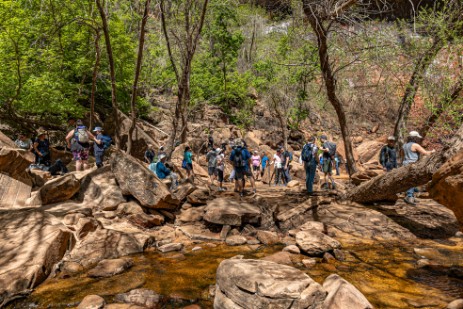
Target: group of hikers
{"points": [[244, 164], [77, 141]]}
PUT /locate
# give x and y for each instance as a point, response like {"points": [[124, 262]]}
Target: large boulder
{"points": [[14, 162], [57, 190], [13, 193], [136, 180], [231, 212], [264, 284], [447, 185], [31, 243], [343, 295], [5, 141], [313, 242], [368, 150]]}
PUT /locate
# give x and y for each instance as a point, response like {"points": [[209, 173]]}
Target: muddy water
{"points": [[386, 274]]}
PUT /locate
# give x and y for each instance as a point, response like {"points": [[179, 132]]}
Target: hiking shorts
{"points": [[239, 173], [212, 171], [81, 155], [327, 166], [255, 168], [220, 175], [189, 166]]}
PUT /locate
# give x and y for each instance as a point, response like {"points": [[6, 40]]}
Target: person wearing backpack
{"points": [[187, 162], [164, 173], [99, 149], [211, 158], [239, 158], [329, 151], [309, 159], [388, 155], [78, 140]]}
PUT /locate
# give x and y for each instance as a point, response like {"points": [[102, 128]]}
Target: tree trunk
{"points": [[444, 103], [94, 78], [330, 84], [412, 88], [385, 187], [141, 44], [117, 137]]}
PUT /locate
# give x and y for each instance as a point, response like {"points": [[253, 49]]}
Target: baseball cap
{"points": [[415, 134], [98, 129], [391, 138]]}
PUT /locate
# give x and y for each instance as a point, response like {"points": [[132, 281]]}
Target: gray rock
{"points": [[235, 240], [171, 247], [140, 297], [92, 302], [230, 212], [268, 238], [315, 243], [343, 295], [264, 284]]}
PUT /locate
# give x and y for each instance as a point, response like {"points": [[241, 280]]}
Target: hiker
{"points": [[210, 141], [287, 159], [309, 159], [264, 163], [412, 151], [329, 151], [279, 172], [78, 140], [23, 142], [256, 163], [149, 154], [337, 161], [99, 149], [187, 162], [239, 157], [211, 158], [248, 170], [161, 152], [42, 149], [164, 173], [388, 155], [220, 167]]}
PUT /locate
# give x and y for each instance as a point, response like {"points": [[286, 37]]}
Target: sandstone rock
{"points": [[309, 263], [292, 249], [146, 221], [365, 175], [369, 150], [293, 184], [198, 197], [183, 191], [31, 244], [263, 284], [13, 193], [282, 257], [235, 240], [224, 232], [200, 233], [5, 141], [123, 306], [57, 190], [328, 258], [171, 247], [141, 297], [107, 244], [85, 226], [315, 243], [268, 238], [129, 208], [447, 185], [300, 214], [136, 180], [313, 226], [14, 162], [231, 212], [92, 302], [109, 268], [252, 241], [456, 304], [343, 295], [339, 255], [191, 214]]}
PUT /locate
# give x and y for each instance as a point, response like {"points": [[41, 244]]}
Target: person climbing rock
{"points": [[23, 142], [149, 154], [412, 151], [164, 173], [42, 149], [211, 158], [99, 148], [329, 151], [388, 155], [78, 140], [187, 162], [309, 159]]}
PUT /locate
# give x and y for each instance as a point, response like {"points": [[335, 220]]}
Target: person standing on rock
{"points": [[264, 163], [412, 151], [256, 163], [187, 163], [388, 155], [149, 154], [42, 149], [279, 171], [78, 140], [164, 173], [239, 156], [220, 167], [211, 158], [23, 142], [287, 159], [309, 159], [329, 151], [99, 149]]}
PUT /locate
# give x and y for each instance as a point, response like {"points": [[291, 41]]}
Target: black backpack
{"points": [[307, 153], [332, 149], [238, 160]]}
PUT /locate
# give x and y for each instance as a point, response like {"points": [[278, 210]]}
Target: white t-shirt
{"points": [[221, 162], [278, 161]]}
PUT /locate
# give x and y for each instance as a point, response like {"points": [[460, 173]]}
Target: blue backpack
{"points": [[307, 153], [107, 141]]}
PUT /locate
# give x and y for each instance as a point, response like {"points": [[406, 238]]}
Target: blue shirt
{"points": [[187, 156], [264, 161], [161, 170], [98, 148], [245, 154]]}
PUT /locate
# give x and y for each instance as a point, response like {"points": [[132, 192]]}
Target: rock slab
{"points": [[230, 212], [343, 295], [315, 243], [110, 267]]}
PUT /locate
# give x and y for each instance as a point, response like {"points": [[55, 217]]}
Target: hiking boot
{"points": [[241, 194], [410, 200]]}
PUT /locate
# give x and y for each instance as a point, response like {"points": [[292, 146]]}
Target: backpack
{"points": [[81, 134], [107, 141], [307, 153], [332, 149], [238, 160]]}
